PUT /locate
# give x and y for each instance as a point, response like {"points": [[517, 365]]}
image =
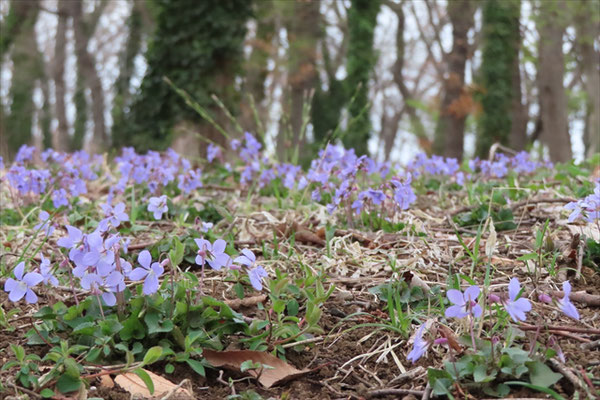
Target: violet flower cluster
{"points": [[65, 174]]}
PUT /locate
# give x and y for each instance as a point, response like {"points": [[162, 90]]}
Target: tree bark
{"points": [[587, 31], [61, 138], [518, 128], [449, 133], [86, 64], [552, 96]]}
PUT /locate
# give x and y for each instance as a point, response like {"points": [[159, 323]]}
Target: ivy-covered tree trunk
{"points": [[198, 46], [450, 129], [500, 47], [24, 55], [551, 91], [362, 19]]}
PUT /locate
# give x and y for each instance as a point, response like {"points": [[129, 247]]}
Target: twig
{"points": [[22, 389], [590, 331], [301, 342], [580, 297], [393, 392], [246, 302], [427, 392], [516, 205], [591, 345], [171, 392], [571, 377]]}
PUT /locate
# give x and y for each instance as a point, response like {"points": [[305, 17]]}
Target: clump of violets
{"points": [[158, 206]]}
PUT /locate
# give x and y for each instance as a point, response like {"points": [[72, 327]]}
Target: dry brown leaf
{"points": [[280, 372], [134, 385], [107, 382]]}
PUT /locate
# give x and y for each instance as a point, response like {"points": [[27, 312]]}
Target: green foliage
{"points": [[500, 47], [197, 45]]}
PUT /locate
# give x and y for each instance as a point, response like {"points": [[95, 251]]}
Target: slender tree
{"points": [[551, 91], [61, 139], [450, 128]]}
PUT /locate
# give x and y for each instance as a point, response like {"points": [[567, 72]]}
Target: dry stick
{"points": [[412, 374], [571, 377], [517, 204], [171, 392], [590, 331], [393, 392], [246, 302], [580, 297], [591, 345]]}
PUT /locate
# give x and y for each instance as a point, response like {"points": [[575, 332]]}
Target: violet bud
{"points": [[544, 298], [493, 298], [441, 340]]}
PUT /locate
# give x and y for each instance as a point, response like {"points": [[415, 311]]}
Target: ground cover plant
{"points": [[153, 275]]}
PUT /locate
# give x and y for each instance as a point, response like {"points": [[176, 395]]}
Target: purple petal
{"points": [[199, 260], [157, 269], [17, 292], [472, 293], [31, 297], [19, 270], [219, 246], [32, 278], [455, 297], [145, 259], [203, 244], [249, 254], [566, 288], [219, 261], [150, 284], [514, 287], [477, 311], [109, 298], [138, 274], [455, 312], [569, 309], [243, 260], [10, 285], [91, 258]]}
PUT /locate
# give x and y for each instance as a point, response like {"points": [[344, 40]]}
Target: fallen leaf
{"points": [[269, 377], [136, 386], [107, 382]]}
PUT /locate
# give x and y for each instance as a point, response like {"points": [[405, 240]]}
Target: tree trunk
{"points": [[24, 55], [449, 133], [518, 128], [587, 31], [61, 139], [86, 64], [552, 95], [415, 121]]}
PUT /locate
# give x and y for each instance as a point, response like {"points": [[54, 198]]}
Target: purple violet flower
{"points": [[565, 303], [464, 304], [149, 273], [115, 215], [213, 254], [46, 272], [21, 286], [420, 346], [158, 206], [516, 308], [256, 273], [44, 224]]}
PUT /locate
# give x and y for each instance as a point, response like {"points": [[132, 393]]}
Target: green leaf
{"points": [[155, 325], [541, 375], [169, 368], [67, 383], [152, 355], [146, 378], [196, 366], [542, 389], [47, 393]]}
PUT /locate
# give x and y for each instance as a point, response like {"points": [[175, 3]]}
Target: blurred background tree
{"points": [[389, 78]]}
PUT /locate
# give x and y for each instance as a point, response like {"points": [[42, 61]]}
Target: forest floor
{"points": [[359, 350]]}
